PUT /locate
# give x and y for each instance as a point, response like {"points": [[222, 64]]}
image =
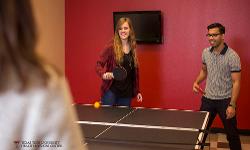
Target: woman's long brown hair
{"points": [[118, 44], [17, 44]]}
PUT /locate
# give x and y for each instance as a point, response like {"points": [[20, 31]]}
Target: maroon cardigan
{"points": [[106, 63]]}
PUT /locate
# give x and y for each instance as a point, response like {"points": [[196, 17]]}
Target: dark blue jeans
{"points": [[109, 98], [230, 125]]}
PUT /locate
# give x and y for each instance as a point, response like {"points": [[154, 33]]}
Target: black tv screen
{"points": [[147, 25]]}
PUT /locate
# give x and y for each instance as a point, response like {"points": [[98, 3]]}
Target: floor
{"points": [[218, 142]]}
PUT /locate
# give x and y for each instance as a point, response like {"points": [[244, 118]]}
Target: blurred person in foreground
{"points": [[35, 103]]}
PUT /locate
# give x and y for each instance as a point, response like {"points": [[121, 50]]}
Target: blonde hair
{"points": [[117, 44]]}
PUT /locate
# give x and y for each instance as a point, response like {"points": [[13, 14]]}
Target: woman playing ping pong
{"points": [[120, 85]]}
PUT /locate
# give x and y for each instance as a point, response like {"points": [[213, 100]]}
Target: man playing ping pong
{"points": [[222, 70], [118, 67]]}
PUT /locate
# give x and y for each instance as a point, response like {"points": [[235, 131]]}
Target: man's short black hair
{"points": [[217, 25]]}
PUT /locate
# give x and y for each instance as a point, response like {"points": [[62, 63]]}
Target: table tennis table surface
{"points": [[123, 128]]}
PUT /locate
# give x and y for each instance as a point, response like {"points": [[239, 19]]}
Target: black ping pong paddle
{"points": [[119, 73]]}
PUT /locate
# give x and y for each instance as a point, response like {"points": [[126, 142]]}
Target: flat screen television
{"points": [[147, 25]]}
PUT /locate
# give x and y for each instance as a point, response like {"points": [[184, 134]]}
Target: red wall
{"points": [[167, 71]]}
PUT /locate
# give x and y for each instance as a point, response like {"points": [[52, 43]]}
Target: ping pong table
{"points": [[123, 128]]}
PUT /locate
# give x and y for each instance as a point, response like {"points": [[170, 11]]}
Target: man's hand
{"points": [[230, 112], [196, 87]]}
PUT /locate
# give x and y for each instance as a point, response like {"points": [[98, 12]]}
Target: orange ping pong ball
{"points": [[97, 104]]}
